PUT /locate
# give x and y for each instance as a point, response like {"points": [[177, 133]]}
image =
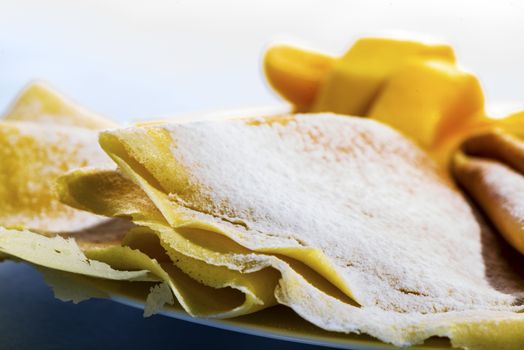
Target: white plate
{"points": [[277, 322]]}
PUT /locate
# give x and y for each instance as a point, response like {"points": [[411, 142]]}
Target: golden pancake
{"points": [[367, 233]]}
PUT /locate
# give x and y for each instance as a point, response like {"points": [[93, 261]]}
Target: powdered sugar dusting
{"points": [[504, 184], [33, 156], [398, 233]]}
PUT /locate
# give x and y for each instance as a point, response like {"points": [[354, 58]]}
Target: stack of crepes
{"points": [[356, 226]]}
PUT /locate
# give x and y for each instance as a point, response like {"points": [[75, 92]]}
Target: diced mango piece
{"points": [[429, 101], [296, 74], [355, 79]]}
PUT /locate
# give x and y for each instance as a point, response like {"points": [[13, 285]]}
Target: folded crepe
{"points": [[343, 219], [213, 291], [42, 137], [40, 103], [490, 167]]}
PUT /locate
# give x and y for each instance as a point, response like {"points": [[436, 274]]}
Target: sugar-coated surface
{"points": [[401, 236], [33, 156]]}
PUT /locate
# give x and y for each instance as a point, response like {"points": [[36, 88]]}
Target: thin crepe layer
{"points": [[490, 167], [33, 156], [42, 136], [36, 148], [70, 271], [38, 107], [46, 135], [40, 103], [61, 254], [98, 191], [396, 257], [113, 262], [108, 193], [240, 293]]}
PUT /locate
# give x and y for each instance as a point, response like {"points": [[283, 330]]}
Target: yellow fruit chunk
{"points": [[296, 74], [40, 103], [430, 101], [356, 78]]}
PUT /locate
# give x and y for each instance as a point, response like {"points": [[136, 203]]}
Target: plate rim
{"points": [[261, 331]]}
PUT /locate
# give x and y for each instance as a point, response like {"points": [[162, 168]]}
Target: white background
{"points": [[134, 60]]}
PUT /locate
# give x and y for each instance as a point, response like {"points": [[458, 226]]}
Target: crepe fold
{"points": [[42, 137], [40, 103], [490, 167], [343, 219], [33, 156]]}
